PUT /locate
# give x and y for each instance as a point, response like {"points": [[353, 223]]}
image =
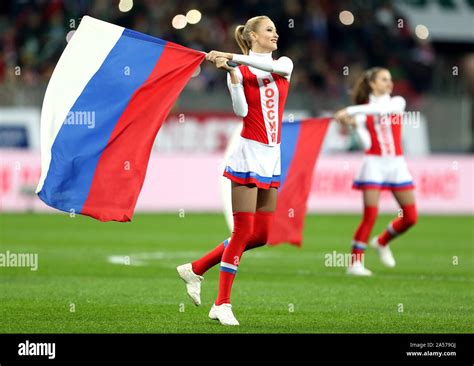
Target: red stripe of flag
{"points": [[291, 204]]}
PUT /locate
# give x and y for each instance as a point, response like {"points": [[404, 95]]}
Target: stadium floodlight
{"points": [[346, 17], [193, 16], [422, 31], [125, 5], [179, 21]]}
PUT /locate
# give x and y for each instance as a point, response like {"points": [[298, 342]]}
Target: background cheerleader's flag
{"points": [[107, 98], [300, 145]]}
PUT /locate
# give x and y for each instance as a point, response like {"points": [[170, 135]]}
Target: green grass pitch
{"points": [[278, 289]]}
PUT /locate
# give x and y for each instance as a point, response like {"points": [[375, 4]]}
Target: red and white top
{"points": [[379, 124], [260, 95]]}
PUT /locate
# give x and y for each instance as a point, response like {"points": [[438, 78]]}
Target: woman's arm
{"points": [[356, 124], [394, 105], [361, 132], [283, 66], [236, 89]]}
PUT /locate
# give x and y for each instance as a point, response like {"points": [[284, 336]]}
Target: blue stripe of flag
{"points": [[289, 140]]}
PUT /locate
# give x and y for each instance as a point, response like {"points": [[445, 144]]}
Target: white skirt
{"points": [[383, 172], [252, 162]]}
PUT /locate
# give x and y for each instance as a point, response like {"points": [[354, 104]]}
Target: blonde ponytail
{"points": [[239, 37], [242, 33]]}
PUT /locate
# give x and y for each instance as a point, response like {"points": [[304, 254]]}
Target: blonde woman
{"points": [[258, 88]]}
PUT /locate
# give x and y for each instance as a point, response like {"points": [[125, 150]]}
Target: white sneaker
{"points": [[193, 282], [358, 269], [385, 254], [223, 313]]}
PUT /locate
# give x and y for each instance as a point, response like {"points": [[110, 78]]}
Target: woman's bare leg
{"points": [[244, 198], [371, 197], [267, 200], [406, 197]]}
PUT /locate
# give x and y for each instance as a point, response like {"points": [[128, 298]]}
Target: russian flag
{"points": [[300, 145], [108, 96]]}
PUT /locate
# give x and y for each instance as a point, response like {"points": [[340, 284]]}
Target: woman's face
{"points": [[383, 83], [266, 36]]}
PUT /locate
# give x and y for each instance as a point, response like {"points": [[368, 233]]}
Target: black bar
{"points": [[316, 348]]}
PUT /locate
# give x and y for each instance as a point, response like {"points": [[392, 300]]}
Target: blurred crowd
{"points": [[326, 53]]}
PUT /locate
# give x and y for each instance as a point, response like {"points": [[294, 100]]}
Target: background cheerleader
{"points": [[378, 120]]}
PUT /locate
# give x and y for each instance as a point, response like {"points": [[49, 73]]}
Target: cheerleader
{"points": [[377, 119], [258, 88]]}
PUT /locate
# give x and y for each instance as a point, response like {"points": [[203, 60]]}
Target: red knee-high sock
{"points": [[400, 224], [261, 232], [262, 227], [361, 236], [243, 229], [209, 260]]}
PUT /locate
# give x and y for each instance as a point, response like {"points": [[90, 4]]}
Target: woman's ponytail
{"points": [[241, 41], [362, 88]]}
